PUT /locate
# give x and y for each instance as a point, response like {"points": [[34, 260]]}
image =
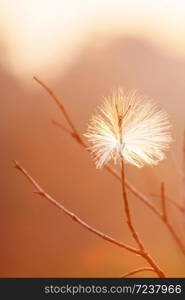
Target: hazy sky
{"points": [[35, 34]]}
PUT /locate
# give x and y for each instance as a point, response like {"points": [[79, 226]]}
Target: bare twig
{"points": [[60, 105], [171, 229], [143, 199], [177, 205], [137, 271], [111, 170], [133, 231], [135, 235], [41, 192], [63, 127], [163, 201], [134, 191], [127, 210]]}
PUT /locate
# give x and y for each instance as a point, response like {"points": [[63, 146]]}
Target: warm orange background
{"points": [[109, 49]]}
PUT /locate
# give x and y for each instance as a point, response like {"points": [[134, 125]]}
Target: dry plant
{"points": [[126, 129]]}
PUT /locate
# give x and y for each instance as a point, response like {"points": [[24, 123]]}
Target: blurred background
{"points": [[82, 50]]}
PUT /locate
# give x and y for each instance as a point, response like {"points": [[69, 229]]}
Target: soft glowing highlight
{"points": [[129, 127]]}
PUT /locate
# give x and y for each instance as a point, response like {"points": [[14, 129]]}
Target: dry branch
{"points": [[74, 133], [41, 192], [163, 201], [177, 205]]}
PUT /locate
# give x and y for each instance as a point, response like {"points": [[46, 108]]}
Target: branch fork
{"points": [[141, 251]]}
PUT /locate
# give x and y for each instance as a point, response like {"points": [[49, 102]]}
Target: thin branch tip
{"points": [[40, 193], [36, 78], [61, 126], [15, 164], [137, 271]]}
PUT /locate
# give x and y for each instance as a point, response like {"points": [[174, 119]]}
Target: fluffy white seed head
{"points": [[131, 127]]}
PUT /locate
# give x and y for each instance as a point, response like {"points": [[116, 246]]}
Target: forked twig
{"points": [[144, 253], [111, 170], [134, 191], [60, 105], [41, 192], [137, 271], [63, 127]]}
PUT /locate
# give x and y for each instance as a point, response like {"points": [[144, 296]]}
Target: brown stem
{"points": [[137, 271], [163, 202], [62, 127], [126, 207], [176, 237], [177, 205], [133, 190], [143, 199], [171, 229], [41, 192], [134, 233], [59, 104]]}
